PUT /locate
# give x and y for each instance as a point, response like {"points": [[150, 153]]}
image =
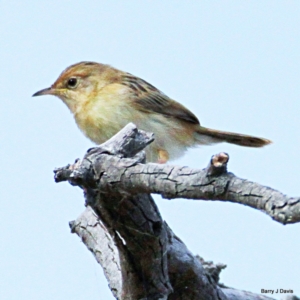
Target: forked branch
{"points": [[141, 256]]}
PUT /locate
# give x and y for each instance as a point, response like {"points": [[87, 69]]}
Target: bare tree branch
{"points": [[142, 258], [96, 237]]}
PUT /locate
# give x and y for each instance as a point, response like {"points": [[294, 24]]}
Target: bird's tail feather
{"points": [[209, 136]]}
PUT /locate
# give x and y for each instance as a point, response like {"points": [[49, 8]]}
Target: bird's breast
{"points": [[100, 119]]}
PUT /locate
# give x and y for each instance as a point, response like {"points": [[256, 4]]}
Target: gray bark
{"points": [[140, 255]]}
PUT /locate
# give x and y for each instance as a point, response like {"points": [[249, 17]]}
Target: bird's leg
{"points": [[163, 156]]}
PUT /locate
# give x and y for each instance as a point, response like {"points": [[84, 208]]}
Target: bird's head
{"points": [[79, 83]]}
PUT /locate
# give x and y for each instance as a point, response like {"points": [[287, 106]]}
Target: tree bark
{"points": [[140, 255]]}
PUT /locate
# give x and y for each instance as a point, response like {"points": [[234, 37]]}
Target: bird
{"points": [[104, 99]]}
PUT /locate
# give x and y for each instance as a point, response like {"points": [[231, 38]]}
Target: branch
{"points": [[98, 240], [212, 183], [142, 258]]}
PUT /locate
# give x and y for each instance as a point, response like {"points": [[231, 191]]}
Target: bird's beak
{"points": [[47, 91]]}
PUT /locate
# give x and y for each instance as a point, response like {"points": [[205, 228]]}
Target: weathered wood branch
{"points": [[142, 258]]}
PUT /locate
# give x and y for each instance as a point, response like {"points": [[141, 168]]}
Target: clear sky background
{"points": [[235, 64]]}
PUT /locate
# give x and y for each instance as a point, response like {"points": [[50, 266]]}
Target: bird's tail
{"points": [[209, 136]]}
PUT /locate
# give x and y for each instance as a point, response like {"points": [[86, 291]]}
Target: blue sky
{"points": [[235, 64]]}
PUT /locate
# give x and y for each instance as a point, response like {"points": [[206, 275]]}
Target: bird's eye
{"points": [[72, 82]]}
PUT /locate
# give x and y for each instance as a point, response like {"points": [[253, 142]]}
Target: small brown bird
{"points": [[103, 100]]}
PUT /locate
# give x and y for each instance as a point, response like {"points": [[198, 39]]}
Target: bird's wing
{"points": [[149, 99]]}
